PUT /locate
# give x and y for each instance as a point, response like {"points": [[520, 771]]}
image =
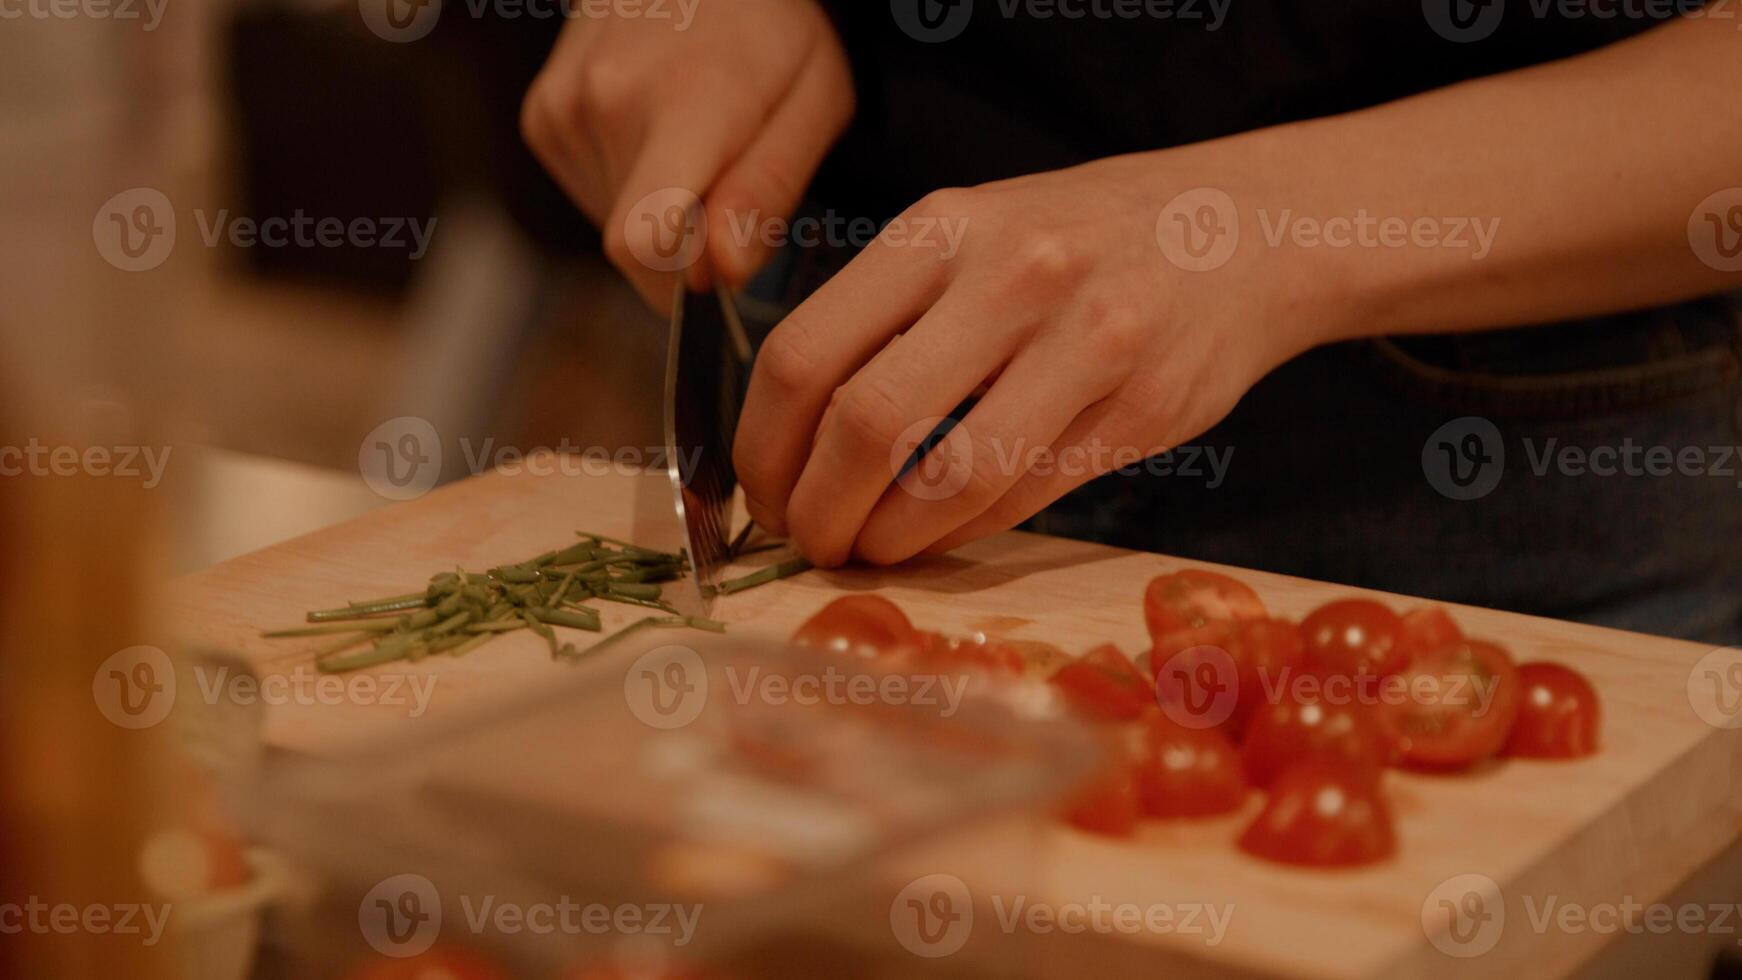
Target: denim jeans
{"points": [[1520, 469]]}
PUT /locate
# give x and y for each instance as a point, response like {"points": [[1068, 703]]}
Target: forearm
{"points": [[1586, 172]]}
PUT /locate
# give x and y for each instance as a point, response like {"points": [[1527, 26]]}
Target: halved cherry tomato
{"points": [[1355, 636], [1453, 707], [1322, 814], [1430, 628], [861, 625], [1262, 655], [1195, 597], [1104, 684], [1188, 772], [440, 962], [1558, 714], [937, 650], [1297, 729], [1107, 805]]}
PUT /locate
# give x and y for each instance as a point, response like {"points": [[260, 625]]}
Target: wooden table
{"points": [[1662, 799]]}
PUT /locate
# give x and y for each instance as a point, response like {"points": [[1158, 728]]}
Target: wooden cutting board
{"points": [[1662, 798]]}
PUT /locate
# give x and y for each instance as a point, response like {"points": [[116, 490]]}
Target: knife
{"points": [[706, 363]]}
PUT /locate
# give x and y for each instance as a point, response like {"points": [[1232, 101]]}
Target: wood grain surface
{"points": [[1660, 800]]}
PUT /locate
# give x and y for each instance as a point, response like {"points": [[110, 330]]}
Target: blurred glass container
{"points": [[682, 809]]}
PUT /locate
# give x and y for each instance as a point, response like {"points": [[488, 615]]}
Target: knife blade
{"points": [[706, 362]]}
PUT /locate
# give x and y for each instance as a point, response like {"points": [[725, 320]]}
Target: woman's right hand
{"points": [[641, 119]]}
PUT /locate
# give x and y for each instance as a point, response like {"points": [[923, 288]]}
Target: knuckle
{"points": [[945, 202], [604, 90], [1045, 258], [1120, 329], [784, 361], [869, 415]]}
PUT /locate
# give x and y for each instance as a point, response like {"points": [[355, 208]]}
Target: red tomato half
{"points": [[1558, 716], [1195, 597], [937, 651], [1188, 772], [861, 625], [1105, 685], [1322, 814], [439, 962], [1300, 729], [1355, 636], [1192, 668], [1453, 707], [1430, 628], [1108, 805]]}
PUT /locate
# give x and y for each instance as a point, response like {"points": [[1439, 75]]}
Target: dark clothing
{"points": [[1340, 468]]}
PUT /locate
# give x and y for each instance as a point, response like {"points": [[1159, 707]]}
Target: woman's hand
{"points": [[640, 119], [1105, 340]]}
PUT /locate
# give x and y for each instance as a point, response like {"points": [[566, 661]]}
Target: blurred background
{"points": [[464, 288]]}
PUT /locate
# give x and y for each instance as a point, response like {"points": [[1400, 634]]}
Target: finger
{"points": [[769, 178], [1039, 394], [814, 351], [884, 413], [1090, 447], [657, 228]]}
